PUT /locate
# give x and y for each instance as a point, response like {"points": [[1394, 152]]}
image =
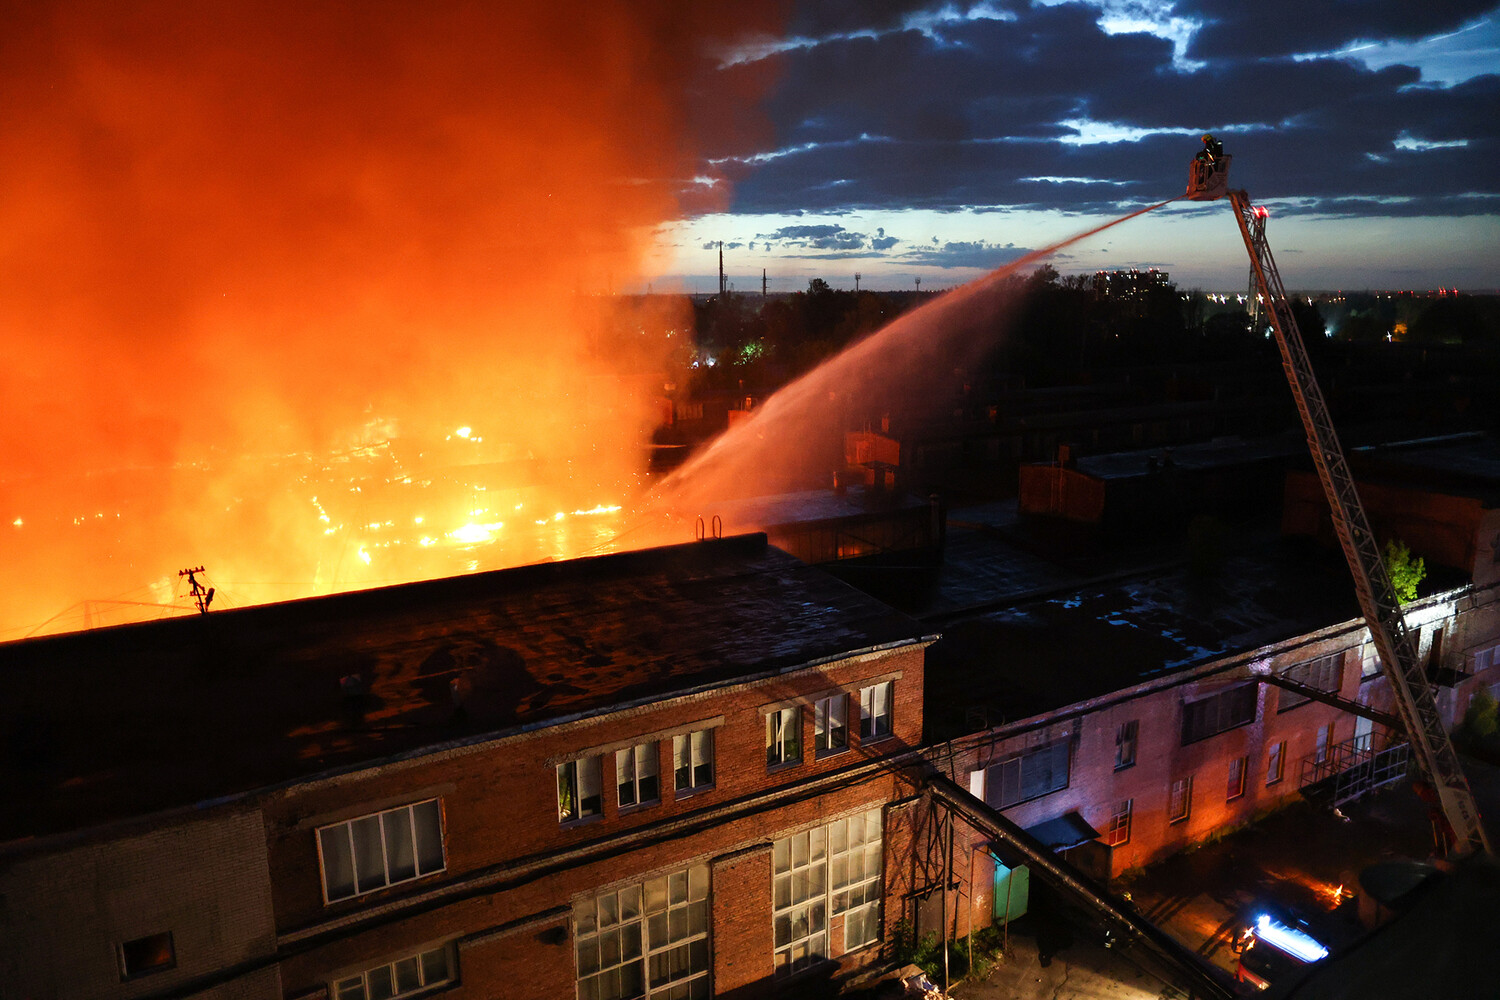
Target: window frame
{"points": [[1127, 735], [659, 913], [783, 737], [1120, 819], [820, 873], [448, 950], [348, 825], [875, 726], [1030, 757], [1239, 770], [1275, 763], [124, 950], [576, 769], [695, 762], [829, 740], [1185, 784], [1207, 717], [1310, 673], [634, 758]]}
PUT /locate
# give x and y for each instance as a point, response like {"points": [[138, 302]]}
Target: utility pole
{"points": [[762, 282], [202, 596], [721, 269], [856, 281]]}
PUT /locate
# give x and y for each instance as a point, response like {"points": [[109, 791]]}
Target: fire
{"points": [[278, 275]]}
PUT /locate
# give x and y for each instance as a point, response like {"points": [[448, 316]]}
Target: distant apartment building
{"points": [[661, 774]]}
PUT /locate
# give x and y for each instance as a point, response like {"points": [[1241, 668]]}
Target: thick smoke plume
{"points": [[254, 254]]}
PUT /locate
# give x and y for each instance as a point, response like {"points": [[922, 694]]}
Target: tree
{"points": [[817, 286], [1405, 571]]}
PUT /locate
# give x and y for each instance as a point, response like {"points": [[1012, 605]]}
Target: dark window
{"points": [[153, 953], [1125, 744], [1218, 713], [1326, 673], [1032, 774]]}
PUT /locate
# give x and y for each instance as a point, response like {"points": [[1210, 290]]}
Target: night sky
{"points": [[905, 139]]}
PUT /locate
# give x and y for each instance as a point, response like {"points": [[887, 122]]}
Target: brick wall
{"points": [[63, 914]]}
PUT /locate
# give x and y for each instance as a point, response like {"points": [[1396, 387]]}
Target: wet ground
{"points": [[1297, 860]]}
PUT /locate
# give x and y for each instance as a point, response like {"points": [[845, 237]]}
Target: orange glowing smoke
{"points": [[259, 262]]}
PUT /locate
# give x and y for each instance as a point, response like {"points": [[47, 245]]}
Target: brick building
{"points": [[660, 773]]}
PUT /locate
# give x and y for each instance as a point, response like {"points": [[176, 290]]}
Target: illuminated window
{"points": [[830, 724], [818, 873], [406, 976], [1118, 830], [635, 774], [693, 760], [1125, 736], [1237, 768], [144, 955], [647, 939], [1275, 762], [1325, 735], [784, 737], [385, 848], [1181, 803], [579, 794], [875, 712]]}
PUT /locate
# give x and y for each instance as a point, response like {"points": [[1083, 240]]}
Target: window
{"points": [[1032, 774], [152, 953], [1237, 768], [827, 870], [386, 848], [693, 757], [1117, 832], [1125, 744], [830, 728], [1325, 733], [646, 939], [875, 712], [579, 790], [1484, 659], [1369, 664], [404, 977], [1364, 733], [1275, 763], [1181, 803], [1326, 673], [784, 736], [1218, 713], [635, 774]]}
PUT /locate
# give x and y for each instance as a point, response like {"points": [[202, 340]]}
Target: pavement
{"points": [[1302, 858]]}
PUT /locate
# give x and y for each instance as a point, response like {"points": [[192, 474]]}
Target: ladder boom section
{"points": [[1378, 603]]}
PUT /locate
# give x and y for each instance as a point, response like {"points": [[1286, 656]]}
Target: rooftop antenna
{"points": [[201, 596]]}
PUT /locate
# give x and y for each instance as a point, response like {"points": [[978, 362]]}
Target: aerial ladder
{"points": [[1415, 705]]}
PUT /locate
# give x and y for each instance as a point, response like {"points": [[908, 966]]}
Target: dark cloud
{"points": [[1235, 30], [972, 118]]}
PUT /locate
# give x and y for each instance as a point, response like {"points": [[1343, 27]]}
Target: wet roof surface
{"points": [[1026, 632], [128, 720]]}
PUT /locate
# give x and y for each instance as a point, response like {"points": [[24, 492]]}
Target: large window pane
{"points": [[428, 818], [401, 857], [369, 854], [338, 862]]}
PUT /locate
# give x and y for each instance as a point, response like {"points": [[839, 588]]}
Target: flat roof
{"points": [[124, 721]]}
